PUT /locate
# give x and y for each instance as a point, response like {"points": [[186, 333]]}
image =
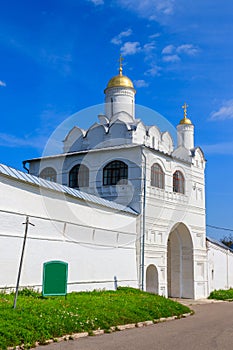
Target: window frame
{"points": [[114, 172], [79, 176], [51, 174], [157, 176], [178, 182]]}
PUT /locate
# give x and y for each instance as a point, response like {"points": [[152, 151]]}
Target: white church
{"points": [[122, 206]]}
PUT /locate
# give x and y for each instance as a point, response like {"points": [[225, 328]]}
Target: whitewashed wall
{"points": [[98, 243], [220, 267]]}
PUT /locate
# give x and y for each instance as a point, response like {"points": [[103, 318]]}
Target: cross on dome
{"points": [[185, 120], [185, 106], [120, 61]]}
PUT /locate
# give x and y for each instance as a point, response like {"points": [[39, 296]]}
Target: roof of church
{"points": [[34, 180]]}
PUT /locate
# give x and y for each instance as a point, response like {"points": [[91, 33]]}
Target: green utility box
{"points": [[55, 275]]}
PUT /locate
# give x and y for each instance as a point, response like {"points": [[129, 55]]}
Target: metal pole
{"points": [[21, 260], [143, 221]]}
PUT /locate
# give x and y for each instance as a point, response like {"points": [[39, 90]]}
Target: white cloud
{"points": [[171, 58], [172, 53], [150, 9], [153, 71], [140, 83], [2, 83], [187, 49], [224, 112], [223, 148], [11, 141], [155, 35], [168, 49], [130, 48], [97, 2], [117, 40], [147, 48]]}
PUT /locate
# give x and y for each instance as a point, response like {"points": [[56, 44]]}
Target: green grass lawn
{"points": [[38, 319], [222, 294]]}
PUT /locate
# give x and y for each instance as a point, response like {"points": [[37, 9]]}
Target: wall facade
{"points": [[97, 243], [220, 267]]}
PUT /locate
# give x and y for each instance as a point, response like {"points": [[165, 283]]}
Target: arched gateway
{"points": [[180, 263]]}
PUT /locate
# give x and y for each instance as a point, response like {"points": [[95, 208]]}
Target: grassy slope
{"points": [[38, 319]]}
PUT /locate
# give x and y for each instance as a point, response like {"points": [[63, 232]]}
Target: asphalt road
{"points": [[211, 328]]}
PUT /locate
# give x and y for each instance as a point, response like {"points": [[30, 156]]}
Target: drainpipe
{"points": [[143, 223]]}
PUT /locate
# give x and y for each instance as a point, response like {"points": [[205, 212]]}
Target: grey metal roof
{"points": [[215, 241], [92, 150], [34, 180]]}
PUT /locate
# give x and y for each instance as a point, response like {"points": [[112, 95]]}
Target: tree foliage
{"points": [[227, 240]]}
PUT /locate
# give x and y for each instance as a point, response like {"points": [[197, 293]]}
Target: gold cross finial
{"points": [[120, 60], [185, 106]]}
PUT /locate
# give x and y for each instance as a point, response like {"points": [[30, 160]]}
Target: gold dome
{"points": [[120, 80], [186, 121]]}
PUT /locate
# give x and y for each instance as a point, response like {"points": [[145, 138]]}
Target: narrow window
{"points": [[49, 174], [157, 176], [114, 173], [79, 176], [178, 182], [111, 107]]}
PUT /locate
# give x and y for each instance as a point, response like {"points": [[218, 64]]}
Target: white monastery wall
{"points": [[98, 243], [220, 267]]}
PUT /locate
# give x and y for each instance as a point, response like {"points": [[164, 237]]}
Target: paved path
{"points": [[211, 328]]}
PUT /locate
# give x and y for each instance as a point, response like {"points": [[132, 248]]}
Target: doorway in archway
{"points": [[152, 283], [180, 263]]}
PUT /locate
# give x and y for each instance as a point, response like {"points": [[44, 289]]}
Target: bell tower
{"points": [[119, 95], [185, 131]]}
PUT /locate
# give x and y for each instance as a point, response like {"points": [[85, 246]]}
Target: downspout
{"points": [[143, 223], [24, 166]]}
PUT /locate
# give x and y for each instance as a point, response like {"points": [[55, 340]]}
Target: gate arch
{"points": [[152, 281], [180, 263]]}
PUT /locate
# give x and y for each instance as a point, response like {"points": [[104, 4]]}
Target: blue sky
{"points": [[57, 57]]}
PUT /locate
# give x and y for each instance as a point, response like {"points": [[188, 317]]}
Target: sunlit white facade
{"points": [[155, 236]]}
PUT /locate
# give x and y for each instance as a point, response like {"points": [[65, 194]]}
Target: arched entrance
{"points": [[180, 263], [152, 283]]}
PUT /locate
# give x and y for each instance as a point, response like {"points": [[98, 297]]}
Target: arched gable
{"points": [[122, 116], [120, 130], [74, 133], [73, 140], [95, 135], [198, 157], [154, 136], [167, 142], [139, 134]]}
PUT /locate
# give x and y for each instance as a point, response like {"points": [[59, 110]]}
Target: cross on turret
{"points": [[185, 106], [120, 68]]}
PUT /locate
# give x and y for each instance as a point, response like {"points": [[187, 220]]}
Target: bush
{"points": [[222, 294]]}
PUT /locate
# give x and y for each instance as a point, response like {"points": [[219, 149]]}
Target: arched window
{"points": [[49, 174], [79, 176], [114, 173], [157, 176], [178, 182]]}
